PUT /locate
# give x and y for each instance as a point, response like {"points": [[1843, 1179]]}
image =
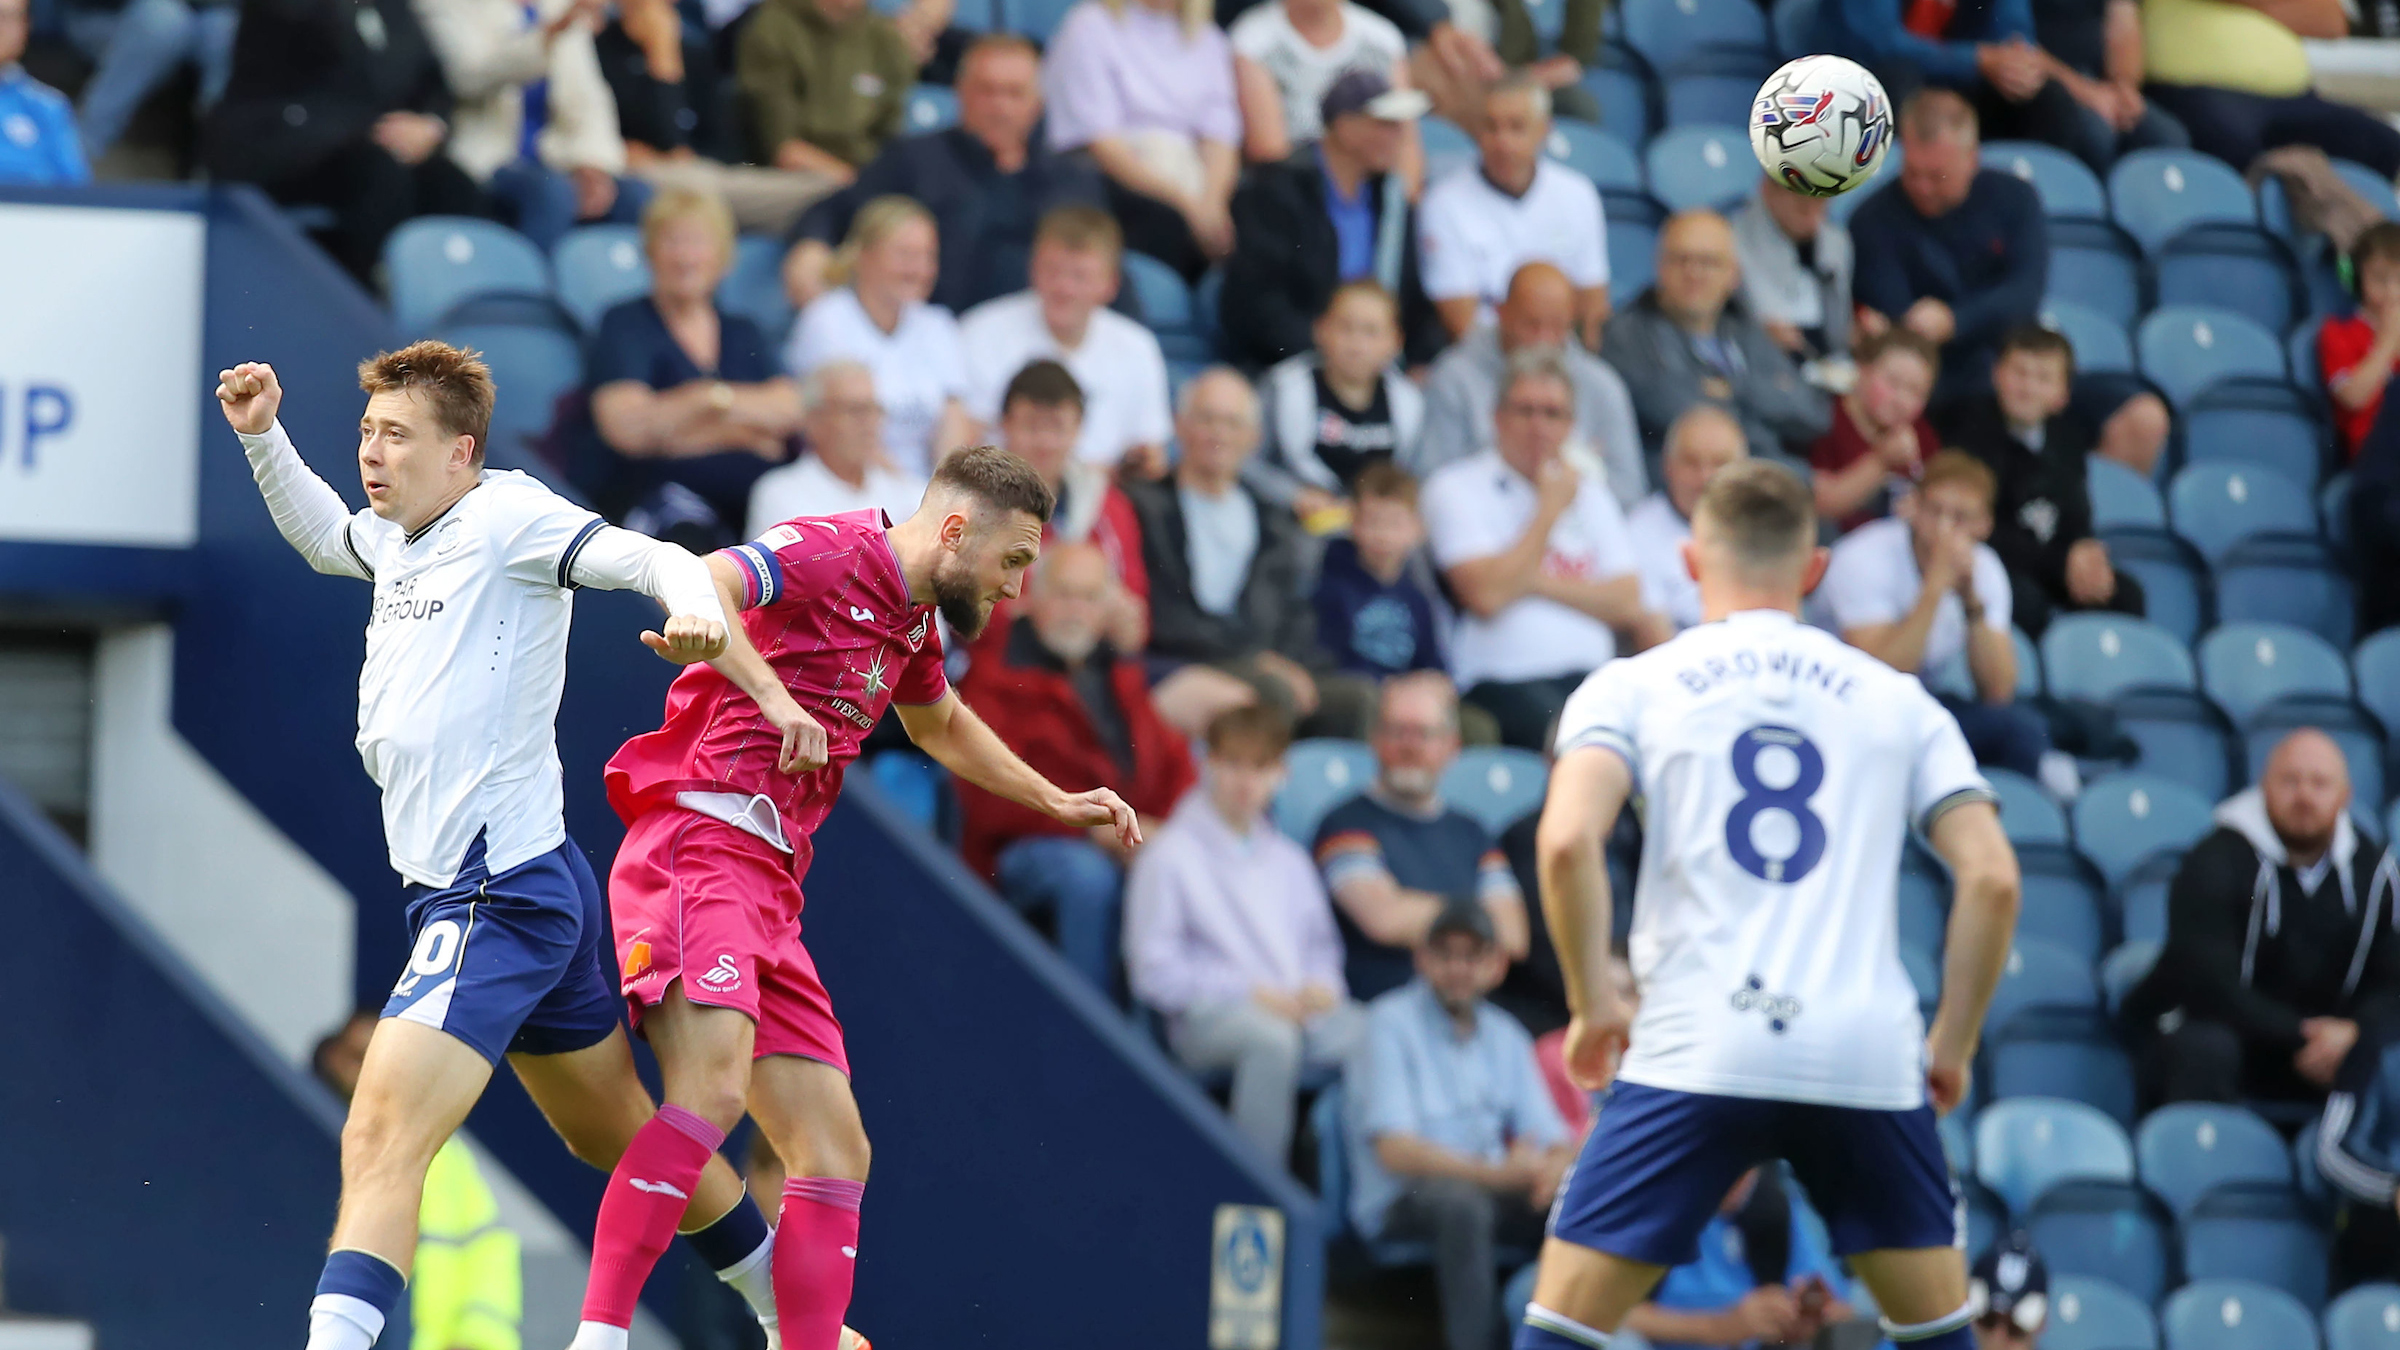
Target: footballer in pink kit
{"points": [[720, 803]]}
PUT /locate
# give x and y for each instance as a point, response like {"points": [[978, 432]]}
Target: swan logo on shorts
{"points": [[723, 977]]}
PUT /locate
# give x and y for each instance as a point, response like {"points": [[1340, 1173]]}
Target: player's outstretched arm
{"points": [[1983, 925], [1588, 787], [967, 746], [309, 514]]}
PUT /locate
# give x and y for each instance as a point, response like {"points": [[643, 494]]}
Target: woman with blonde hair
{"points": [[683, 394], [877, 315], [1147, 86]]}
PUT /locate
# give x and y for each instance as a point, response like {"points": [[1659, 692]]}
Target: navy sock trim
{"points": [[363, 1276], [730, 1240]]}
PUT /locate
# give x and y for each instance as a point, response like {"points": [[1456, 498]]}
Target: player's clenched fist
{"points": [[250, 396], [1595, 1043], [688, 638], [1101, 807], [804, 749]]}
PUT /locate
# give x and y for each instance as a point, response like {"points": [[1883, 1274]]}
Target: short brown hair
{"points": [[1044, 384], [1260, 728], [999, 42], [2035, 340], [1386, 482], [1761, 511], [1898, 339], [1367, 288], [997, 479], [453, 380], [1081, 229], [1957, 466], [1937, 114], [2379, 241]]}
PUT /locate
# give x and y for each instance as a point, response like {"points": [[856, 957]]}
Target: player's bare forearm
{"points": [[804, 747], [967, 746], [1588, 787], [1983, 922]]}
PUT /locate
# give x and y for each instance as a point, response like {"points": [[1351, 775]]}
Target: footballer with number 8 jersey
{"points": [[474, 573], [1781, 771], [720, 803]]}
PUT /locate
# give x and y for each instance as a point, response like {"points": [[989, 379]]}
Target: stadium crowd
{"points": [[1377, 379]]}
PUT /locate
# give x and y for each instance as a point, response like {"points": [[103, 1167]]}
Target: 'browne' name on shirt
{"points": [[1749, 665], [404, 603]]}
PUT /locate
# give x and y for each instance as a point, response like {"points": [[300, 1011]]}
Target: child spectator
{"points": [[1372, 618], [2356, 354], [1331, 413], [1228, 933], [1879, 435], [40, 144], [2035, 447]]}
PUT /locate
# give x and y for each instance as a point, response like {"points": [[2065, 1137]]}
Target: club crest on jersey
{"points": [[916, 634]]}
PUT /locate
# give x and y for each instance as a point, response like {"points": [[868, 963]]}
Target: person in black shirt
{"points": [[1395, 855], [2094, 49], [2042, 517]]}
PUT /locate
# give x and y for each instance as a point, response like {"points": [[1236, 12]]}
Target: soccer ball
{"points": [[1820, 125]]}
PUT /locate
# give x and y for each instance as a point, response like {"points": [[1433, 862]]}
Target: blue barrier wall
{"points": [[168, 1179]]}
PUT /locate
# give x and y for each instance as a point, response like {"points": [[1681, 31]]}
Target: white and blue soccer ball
{"points": [[1820, 125]]}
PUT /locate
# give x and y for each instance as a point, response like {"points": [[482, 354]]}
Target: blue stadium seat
{"points": [[438, 263], [1987, 1218], [2213, 506], [2099, 656], [2256, 1233], [2094, 264], [2371, 185], [1632, 242], [2110, 1230], [1549, 20], [2158, 194], [1036, 19], [2189, 1148], [1621, 86], [2333, 508], [2026, 811], [1795, 24], [1667, 31], [2029, 665], [2124, 968], [2350, 727], [2235, 1314], [1320, 774], [1164, 304], [912, 782], [2289, 578], [2300, 354], [2064, 901], [1846, 205], [599, 266], [1447, 146], [2365, 1318], [1208, 307], [2245, 666], [2039, 975], [2240, 267], [2185, 348], [2125, 817], [2142, 897], [1496, 784], [1701, 166], [531, 369], [2174, 581], [1924, 912], [2101, 346], [929, 107], [2181, 735], [2069, 1056], [2026, 1145], [754, 288], [2121, 498], [2067, 188], [2377, 666], [1596, 154], [1713, 87], [2092, 1314], [2266, 423]]}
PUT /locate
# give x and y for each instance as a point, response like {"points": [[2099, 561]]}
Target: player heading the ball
{"points": [[475, 572], [1782, 770]]}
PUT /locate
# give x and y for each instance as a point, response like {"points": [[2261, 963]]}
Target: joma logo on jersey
{"points": [[1780, 1009]]}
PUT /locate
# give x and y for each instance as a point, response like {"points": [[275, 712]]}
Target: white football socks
{"points": [[595, 1336], [754, 1279], [340, 1322]]}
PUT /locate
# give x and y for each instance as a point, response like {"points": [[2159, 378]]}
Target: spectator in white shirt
{"points": [[876, 314], [1538, 556], [1287, 53], [842, 469], [1482, 222], [1927, 596], [1795, 262], [1065, 317], [1700, 444]]}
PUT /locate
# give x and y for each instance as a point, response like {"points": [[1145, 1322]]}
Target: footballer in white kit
{"points": [[1780, 771]]}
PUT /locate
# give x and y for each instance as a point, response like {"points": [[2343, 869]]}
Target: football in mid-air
{"points": [[1820, 125]]}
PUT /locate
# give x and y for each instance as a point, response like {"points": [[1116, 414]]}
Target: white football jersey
{"points": [[466, 659], [1781, 769]]}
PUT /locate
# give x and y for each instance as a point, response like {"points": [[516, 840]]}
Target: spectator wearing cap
{"points": [[988, 182], [1336, 211], [1287, 54], [38, 140], [1451, 1133], [2009, 1290], [1514, 205], [1227, 933]]}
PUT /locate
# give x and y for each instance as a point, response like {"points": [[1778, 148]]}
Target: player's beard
{"points": [[955, 595]]}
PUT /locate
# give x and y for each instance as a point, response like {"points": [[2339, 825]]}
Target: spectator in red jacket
{"points": [[2356, 354], [1079, 711]]}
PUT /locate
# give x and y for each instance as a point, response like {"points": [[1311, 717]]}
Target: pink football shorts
{"points": [[695, 899]]}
